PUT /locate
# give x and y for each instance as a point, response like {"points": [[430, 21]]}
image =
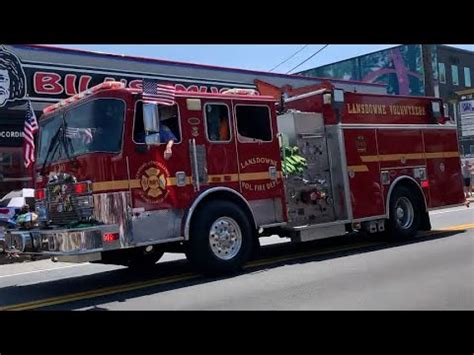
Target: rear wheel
{"points": [[405, 216], [221, 239]]}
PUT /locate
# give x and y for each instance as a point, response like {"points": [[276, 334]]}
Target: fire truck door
{"points": [[259, 156], [217, 143], [160, 183]]}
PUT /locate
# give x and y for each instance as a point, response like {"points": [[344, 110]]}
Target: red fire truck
{"points": [[121, 179]]}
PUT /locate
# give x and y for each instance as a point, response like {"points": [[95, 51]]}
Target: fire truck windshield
{"points": [[95, 126]]}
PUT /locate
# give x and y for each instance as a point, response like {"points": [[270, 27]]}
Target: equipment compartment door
{"points": [[363, 169], [443, 165]]}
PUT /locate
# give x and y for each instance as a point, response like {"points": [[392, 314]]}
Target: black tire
{"points": [[199, 250], [401, 226]]}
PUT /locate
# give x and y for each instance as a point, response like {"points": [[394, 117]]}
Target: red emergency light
{"points": [[81, 188], [110, 237], [40, 194]]}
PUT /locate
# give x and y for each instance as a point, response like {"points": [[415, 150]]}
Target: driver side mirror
{"points": [[151, 123]]}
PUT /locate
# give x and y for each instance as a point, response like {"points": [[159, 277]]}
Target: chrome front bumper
{"points": [[61, 242]]}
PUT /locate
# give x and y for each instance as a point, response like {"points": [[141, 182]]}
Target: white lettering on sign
{"points": [[11, 134], [254, 161], [399, 110]]}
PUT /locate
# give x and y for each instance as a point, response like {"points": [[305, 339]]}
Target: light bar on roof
{"points": [[107, 85], [240, 92]]}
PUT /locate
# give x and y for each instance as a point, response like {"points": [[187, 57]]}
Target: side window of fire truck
{"points": [[95, 126], [217, 122], [168, 115], [169, 118], [138, 128], [253, 123]]}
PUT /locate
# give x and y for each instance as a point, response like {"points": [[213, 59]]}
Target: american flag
{"points": [[84, 133], [164, 93], [29, 130]]}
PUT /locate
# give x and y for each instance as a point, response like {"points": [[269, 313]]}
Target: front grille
{"points": [[65, 206]]}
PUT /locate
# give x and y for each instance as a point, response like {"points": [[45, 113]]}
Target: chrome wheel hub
{"points": [[404, 213], [225, 238]]}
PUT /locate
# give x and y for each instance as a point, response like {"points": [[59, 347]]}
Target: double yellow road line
{"points": [[189, 276]]}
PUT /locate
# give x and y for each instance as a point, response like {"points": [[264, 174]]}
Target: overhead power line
{"points": [[287, 59], [304, 61]]}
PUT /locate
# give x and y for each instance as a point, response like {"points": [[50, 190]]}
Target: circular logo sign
{"points": [[152, 176]]}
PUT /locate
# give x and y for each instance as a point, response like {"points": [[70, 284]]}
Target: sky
{"points": [[254, 57]]}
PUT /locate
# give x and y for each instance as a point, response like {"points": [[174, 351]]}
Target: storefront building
{"points": [[44, 75]]}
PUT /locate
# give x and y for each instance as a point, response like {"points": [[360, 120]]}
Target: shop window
{"points": [[455, 74], [217, 122], [442, 73], [467, 77], [253, 123]]}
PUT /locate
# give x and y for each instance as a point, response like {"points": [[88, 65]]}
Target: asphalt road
{"points": [[434, 271]]}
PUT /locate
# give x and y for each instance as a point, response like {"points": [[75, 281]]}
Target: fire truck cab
{"points": [[121, 179]]}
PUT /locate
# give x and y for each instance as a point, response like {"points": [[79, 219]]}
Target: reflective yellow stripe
{"points": [[134, 184], [110, 185], [358, 168], [407, 156], [265, 175], [171, 181], [370, 158], [222, 178], [442, 155]]}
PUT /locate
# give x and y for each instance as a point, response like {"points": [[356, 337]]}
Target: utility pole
{"points": [[427, 69]]}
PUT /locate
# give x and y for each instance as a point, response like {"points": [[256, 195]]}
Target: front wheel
{"points": [[405, 216], [221, 238]]}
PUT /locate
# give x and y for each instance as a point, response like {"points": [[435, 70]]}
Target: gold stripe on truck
{"points": [[110, 185], [442, 155], [407, 156], [171, 181], [358, 168]]}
